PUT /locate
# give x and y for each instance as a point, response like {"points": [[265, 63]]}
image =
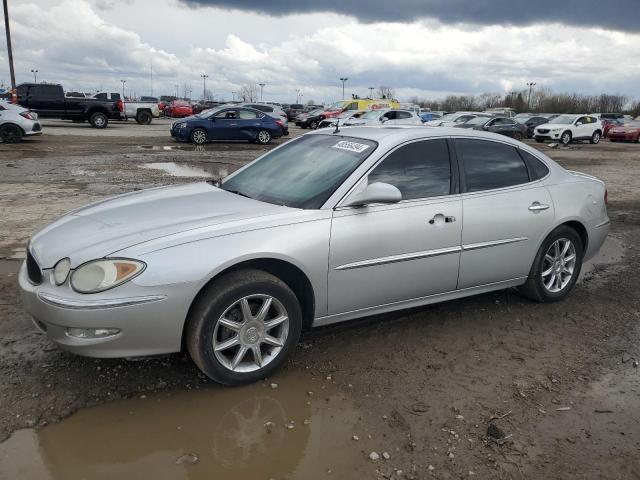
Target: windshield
{"points": [[632, 124], [449, 117], [210, 112], [563, 119], [336, 106], [302, 173], [372, 114], [477, 121]]}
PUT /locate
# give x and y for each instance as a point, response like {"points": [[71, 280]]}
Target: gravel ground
{"points": [[559, 380]]}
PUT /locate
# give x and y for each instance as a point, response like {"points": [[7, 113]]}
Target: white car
{"points": [[566, 128], [391, 116], [453, 119], [17, 122]]}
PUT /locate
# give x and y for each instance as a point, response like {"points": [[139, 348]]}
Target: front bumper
{"points": [[625, 137], [547, 135], [181, 134], [149, 320]]}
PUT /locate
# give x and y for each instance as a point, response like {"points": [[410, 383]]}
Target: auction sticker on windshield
{"points": [[351, 146]]}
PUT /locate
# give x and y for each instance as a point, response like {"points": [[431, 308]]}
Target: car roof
{"points": [[403, 133]]}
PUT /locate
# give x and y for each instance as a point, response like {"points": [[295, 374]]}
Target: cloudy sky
{"points": [[428, 48]]}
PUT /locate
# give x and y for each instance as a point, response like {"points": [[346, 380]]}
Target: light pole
{"points": [[123, 82], [233, 96], [343, 79], [204, 85], [370, 92], [35, 73], [261, 87], [530, 85], [177, 91], [297, 95], [9, 49]]}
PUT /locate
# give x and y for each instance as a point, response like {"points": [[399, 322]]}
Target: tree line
{"points": [[540, 101]]}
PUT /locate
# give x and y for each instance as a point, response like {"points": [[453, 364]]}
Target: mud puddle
{"points": [[179, 170], [165, 148], [252, 432]]}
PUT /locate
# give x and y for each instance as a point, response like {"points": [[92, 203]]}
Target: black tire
{"points": [[10, 133], [595, 138], [313, 125], [144, 118], [263, 137], [518, 136], [99, 120], [534, 288], [199, 136], [215, 299], [565, 138]]}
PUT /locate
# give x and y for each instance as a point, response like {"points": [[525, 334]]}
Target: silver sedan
{"points": [[328, 227]]}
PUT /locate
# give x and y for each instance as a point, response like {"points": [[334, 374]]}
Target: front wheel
{"points": [[98, 120], [199, 136], [595, 138], [556, 267], [243, 326], [517, 136], [10, 133], [565, 139], [313, 125], [263, 137]]}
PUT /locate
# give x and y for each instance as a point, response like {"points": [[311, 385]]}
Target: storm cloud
{"points": [[614, 15]]}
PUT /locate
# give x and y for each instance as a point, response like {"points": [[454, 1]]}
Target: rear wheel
{"points": [[10, 133], [595, 138], [263, 137], [143, 118], [199, 136], [517, 136], [565, 138], [313, 125], [98, 120], [556, 267], [243, 326]]}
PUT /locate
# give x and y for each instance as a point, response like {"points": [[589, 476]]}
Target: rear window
{"points": [[537, 169]]}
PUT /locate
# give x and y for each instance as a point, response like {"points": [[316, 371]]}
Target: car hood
{"points": [[551, 126], [111, 225]]}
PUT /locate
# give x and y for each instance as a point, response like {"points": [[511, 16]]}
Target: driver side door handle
{"points": [[538, 207]]}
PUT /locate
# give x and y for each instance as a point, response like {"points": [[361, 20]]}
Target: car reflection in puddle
{"points": [[252, 432]]}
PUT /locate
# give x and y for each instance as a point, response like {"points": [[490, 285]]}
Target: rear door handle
{"points": [[439, 216], [537, 207]]}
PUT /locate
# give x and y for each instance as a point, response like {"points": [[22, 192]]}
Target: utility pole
{"points": [[297, 95], [261, 87], [370, 92], [177, 92], [35, 78], [343, 79], [123, 82], [530, 85], [9, 49], [151, 75], [233, 96], [204, 86]]}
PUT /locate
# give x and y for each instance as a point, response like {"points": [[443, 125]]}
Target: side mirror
{"points": [[578, 124], [384, 119], [377, 192], [212, 118]]}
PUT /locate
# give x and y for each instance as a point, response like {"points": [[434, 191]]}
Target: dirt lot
{"points": [[561, 381]]}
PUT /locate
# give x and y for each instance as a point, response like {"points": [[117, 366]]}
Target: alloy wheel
{"points": [[199, 137], [250, 333], [264, 136], [558, 265], [566, 138]]}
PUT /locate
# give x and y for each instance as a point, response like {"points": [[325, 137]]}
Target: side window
{"points": [[46, 91], [537, 169], [418, 170], [352, 106], [463, 118], [100, 96], [227, 114], [390, 115], [581, 120], [401, 115], [248, 115], [489, 165]]}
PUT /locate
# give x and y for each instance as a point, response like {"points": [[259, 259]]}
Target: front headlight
{"points": [[100, 275], [181, 125]]}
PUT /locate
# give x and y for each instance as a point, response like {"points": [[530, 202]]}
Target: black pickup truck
{"points": [[49, 101]]}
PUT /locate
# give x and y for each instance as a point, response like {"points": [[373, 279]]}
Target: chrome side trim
{"points": [[606, 222], [399, 258], [493, 243], [97, 304]]}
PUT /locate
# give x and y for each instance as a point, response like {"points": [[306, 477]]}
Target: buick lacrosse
{"points": [[325, 228]]}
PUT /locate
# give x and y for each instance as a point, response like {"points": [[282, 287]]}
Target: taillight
{"points": [[120, 105], [27, 115], [279, 122], [606, 197]]}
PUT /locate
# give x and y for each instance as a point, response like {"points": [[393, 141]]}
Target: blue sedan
{"points": [[227, 123]]}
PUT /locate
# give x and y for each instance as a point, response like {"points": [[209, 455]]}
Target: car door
{"points": [[582, 128], [249, 122], [506, 212], [224, 125], [381, 254]]}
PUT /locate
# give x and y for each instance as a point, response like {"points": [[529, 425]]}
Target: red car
{"points": [[629, 132], [609, 123], [179, 109]]}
